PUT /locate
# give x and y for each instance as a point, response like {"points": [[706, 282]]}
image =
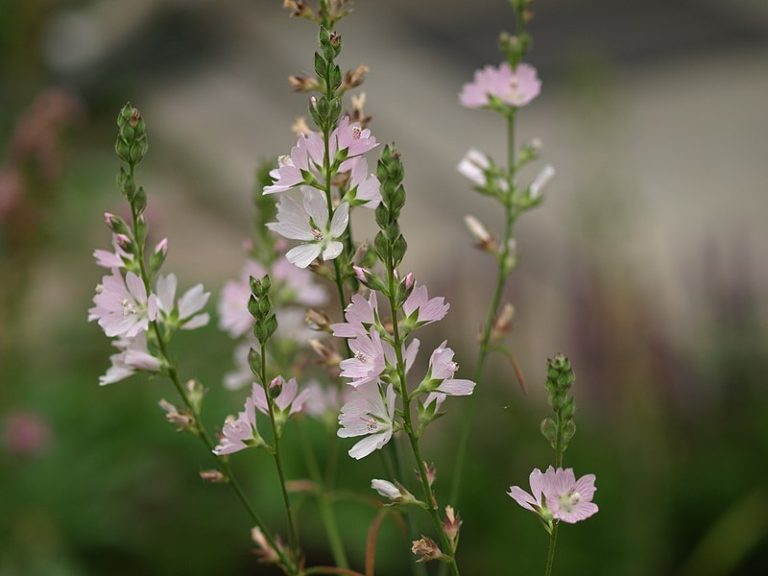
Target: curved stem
{"points": [[408, 426]]}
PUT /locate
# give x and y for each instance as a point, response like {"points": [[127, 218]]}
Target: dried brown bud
{"points": [[426, 549], [299, 8], [301, 83], [214, 476], [327, 354], [318, 320], [358, 110], [354, 78], [503, 323], [300, 126]]}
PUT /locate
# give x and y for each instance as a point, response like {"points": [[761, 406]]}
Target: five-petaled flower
{"points": [[308, 221], [440, 381], [556, 494], [511, 87], [370, 412], [239, 433], [122, 306]]}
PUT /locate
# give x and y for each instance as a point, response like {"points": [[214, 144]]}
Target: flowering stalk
{"points": [[140, 314], [391, 246], [260, 307], [503, 90]]}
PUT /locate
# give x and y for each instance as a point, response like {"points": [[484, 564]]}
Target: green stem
{"points": [[202, 432], [501, 281], [276, 454], [551, 551], [408, 426], [325, 506]]}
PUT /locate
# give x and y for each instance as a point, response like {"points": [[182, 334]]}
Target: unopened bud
{"points": [[451, 526], [426, 549], [410, 280], [313, 102], [195, 393], [503, 323], [162, 247], [483, 238], [182, 420], [266, 553], [397, 493], [541, 182], [318, 320], [214, 476], [124, 242]]}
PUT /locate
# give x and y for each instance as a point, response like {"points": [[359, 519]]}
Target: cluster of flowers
{"points": [[125, 307], [311, 169], [370, 411]]}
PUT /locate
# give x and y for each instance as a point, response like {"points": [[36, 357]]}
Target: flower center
{"points": [[356, 132], [360, 356], [129, 308], [317, 234], [569, 500]]}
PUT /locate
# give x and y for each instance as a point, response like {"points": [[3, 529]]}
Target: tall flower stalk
{"points": [[503, 90]]}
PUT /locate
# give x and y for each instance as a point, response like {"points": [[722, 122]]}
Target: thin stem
{"points": [[326, 508], [551, 551], [503, 271], [330, 570], [417, 567], [408, 426], [276, 453]]}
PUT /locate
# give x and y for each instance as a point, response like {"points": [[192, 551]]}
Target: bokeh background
{"points": [[647, 265]]}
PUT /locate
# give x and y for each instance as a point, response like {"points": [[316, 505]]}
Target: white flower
{"points": [[192, 302], [133, 355], [371, 414], [473, 166], [308, 221]]}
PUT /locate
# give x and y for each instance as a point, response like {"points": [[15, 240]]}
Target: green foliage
{"points": [[559, 431]]}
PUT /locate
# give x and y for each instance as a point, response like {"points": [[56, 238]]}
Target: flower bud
{"points": [[266, 553], [158, 255], [195, 393], [301, 83], [503, 323], [397, 493], [484, 240], [327, 354], [451, 526], [213, 476], [541, 181], [300, 126], [182, 420]]}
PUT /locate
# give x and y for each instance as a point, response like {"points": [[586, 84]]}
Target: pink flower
{"points": [[122, 305], [288, 400], [368, 362], [557, 494], [440, 380], [363, 186], [239, 433], [116, 259], [308, 155], [421, 309], [308, 221], [371, 414], [360, 314], [516, 88], [133, 355], [185, 313], [26, 433]]}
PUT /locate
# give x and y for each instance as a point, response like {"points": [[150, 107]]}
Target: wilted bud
{"points": [[301, 83], [358, 110], [426, 549], [503, 323], [182, 420], [327, 354], [484, 240], [353, 78], [451, 525], [318, 320], [300, 126], [266, 553], [299, 9], [214, 476]]}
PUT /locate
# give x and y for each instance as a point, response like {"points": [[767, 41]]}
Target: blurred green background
{"points": [[646, 265]]}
